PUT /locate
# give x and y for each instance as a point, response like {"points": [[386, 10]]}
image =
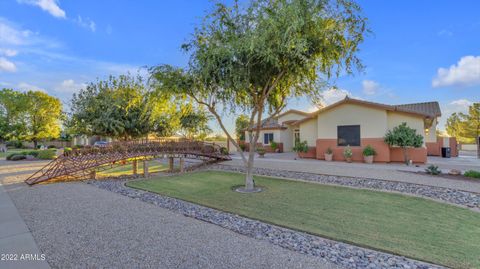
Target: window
{"points": [[348, 135], [267, 138]]}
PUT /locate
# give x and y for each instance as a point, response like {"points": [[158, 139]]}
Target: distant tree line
{"points": [[465, 127]]}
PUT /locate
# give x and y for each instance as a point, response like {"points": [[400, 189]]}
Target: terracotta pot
{"points": [[328, 157], [368, 159], [261, 155], [348, 159]]}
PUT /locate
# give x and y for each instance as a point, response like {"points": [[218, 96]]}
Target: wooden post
{"points": [[182, 165], [135, 167], [93, 174], [170, 164], [145, 169]]}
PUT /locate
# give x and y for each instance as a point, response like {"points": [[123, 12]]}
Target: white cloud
{"points": [[10, 35], [370, 87], [69, 86], [8, 52], [50, 6], [6, 65], [334, 95], [29, 87], [86, 23], [465, 73]]}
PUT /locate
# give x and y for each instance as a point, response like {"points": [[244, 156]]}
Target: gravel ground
{"points": [[80, 226]]}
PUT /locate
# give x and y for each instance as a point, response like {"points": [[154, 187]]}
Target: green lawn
{"points": [[153, 167], [405, 225], [4, 154]]}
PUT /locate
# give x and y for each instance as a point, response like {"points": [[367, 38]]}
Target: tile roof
{"points": [[431, 109]]}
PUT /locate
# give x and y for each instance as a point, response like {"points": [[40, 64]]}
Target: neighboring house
{"points": [[356, 123]]}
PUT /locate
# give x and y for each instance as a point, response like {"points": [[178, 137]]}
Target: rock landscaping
{"points": [[342, 254], [452, 196]]}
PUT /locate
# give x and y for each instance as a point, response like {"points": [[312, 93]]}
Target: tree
{"points": [[194, 123], [241, 124], [465, 127], [404, 137], [12, 114], [253, 59], [43, 116], [119, 107]]}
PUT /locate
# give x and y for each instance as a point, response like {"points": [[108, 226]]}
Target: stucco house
{"points": [[353, 122]]}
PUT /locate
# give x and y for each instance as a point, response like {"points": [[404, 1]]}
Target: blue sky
{"points": [[419, 50]]}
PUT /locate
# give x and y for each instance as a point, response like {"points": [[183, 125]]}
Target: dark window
{"points": [[348, 135], [267, 138]]}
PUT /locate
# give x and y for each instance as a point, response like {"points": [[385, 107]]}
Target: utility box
{"points": [[446, 152]]}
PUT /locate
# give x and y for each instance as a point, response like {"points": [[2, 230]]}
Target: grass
{"points": [[404, 225], [472, 174], [127, 169]]}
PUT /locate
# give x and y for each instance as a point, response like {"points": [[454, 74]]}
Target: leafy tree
{"points": [[404, 137], [194, 123], [43, 116], [254, 58], [241, 123], [118, 107], [465, 127], [12, 114]]}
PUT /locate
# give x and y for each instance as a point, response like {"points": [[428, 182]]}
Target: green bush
{"points": [[472, 173], [46, 155], [433, 170], [33, 153], [369, 151], [18, 157], [301, 147], [274, 145], [261, 151], [242, 147], [9, 156], [52, 147], [78, 146], [67, 149], [224, 150]]}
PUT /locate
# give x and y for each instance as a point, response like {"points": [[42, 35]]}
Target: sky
{"points": [[418, 51]]}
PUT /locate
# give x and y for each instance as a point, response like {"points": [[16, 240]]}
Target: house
{"points": [[353, 122]]}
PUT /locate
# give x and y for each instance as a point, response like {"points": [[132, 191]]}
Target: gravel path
{"points": [[375, 171], [80, 226]]}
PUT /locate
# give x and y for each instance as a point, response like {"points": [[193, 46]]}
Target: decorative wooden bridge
{"points": [[85, 162]]}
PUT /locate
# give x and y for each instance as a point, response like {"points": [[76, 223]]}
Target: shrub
{"points": [[18, 157], [15, 144], [224, 150], [274, 145], [46, 155], [67, 149], [33, 153], [301, 147], [261, 150], [329, 151], [433, 170], [242, 147], [9, 156], [78, 146], [369, 151], [51, 147], [347, 152], [472, 173], [39, 146]]}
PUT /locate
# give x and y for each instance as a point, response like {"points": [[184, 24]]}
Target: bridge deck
{"points": [[79, 163]]}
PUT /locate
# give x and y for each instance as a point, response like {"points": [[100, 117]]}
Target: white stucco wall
{"points": [[286, 137], [276, 136], [432, 132], [308, 132], [372, 121], [417, 123]]}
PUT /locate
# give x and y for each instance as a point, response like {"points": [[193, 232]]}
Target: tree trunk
{"points": [[35, 143], [405, 155], [249, 181]]}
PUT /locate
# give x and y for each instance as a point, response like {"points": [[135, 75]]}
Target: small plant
{"points": [[18, 157], [242, 147], [301, 147], [329, 151], [224, 151], [347, 153], [274, 146], [472, 173], [369, 151], [46, 155], [433, 170], [261, 152], [9, 156]]}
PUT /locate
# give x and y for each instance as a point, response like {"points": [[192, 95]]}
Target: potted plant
{"points": [[329, 154], [261, 152], [368, 154], [301, 147], [274, 146], [347, 153]]}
